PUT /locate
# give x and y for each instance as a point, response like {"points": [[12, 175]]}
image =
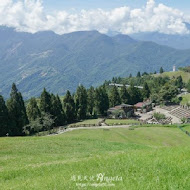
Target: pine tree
{"points": [[130, 76], [135, 94], [69, 107], [81, 102], [4, 119], [125, 97], [45, 102], [33, 111], [101, 100], [114, 97], [179, 82], [161, 70], [188, 86], [91, 102], [17, 112], [146, 91], [139, 74], [57, 111]]}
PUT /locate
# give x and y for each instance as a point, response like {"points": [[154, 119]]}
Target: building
{"points": [[143, 107], [174, 68], [122, 111]]}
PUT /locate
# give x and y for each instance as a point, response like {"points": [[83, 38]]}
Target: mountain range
{"points": [[62, 62], [172, 40]]}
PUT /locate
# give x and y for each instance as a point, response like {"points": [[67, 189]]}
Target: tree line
{"points": [[18, 117]]}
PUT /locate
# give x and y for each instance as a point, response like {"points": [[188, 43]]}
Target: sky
{"points": [[183, 5], [122, 16]]}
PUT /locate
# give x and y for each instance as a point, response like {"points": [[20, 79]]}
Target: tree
{"points": [[32, 110], [135, 94], [130, 76], [69, 107], [114, 97], [4, 119], [179, 82], [167, 93], [17, 112], [125, 97], [101, 100], [188, 86], [161, 70], [45, 102], [90, 100], [57, 111], [146, 91], [44, 123], [139, 74], [81, 102], [47, 121]]}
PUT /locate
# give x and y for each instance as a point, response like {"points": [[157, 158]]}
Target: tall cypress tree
{"points": [[115, 97], [139, 74], [91, 102], [135, 94], [69, 107], [57, 110], [161, 70], [4, 119], [17, 112], [81, 102], [33, 111], [101, 100], [45, 102], [146, 91], [125, 97], [179, 82]]}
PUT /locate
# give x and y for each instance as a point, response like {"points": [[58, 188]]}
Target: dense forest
{"points": [[19, 117]]}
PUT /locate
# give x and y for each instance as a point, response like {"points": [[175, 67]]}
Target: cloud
{"points": [[30, 16]]}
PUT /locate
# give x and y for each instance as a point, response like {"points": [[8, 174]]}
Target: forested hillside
{"points": [[61, 62]]}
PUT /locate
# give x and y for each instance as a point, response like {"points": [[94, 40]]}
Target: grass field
{"points": [[186, 99], [87, 122], [187, 128], [146, 159], [121, 121], [185, 75]]}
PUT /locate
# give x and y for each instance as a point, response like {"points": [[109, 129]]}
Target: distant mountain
{"points": [[61, 62], [171, 40]]}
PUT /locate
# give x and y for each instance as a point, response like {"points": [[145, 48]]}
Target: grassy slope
{"points": [[186, 99], [121, 121], [187, 128], [88, 122], [146, 158], [185, 75]]}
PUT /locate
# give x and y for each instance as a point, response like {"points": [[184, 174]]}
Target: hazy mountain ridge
{"points": [[61, 62], [172, 40]]}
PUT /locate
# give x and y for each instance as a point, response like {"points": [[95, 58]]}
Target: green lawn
{"points": [[187, 128], [87, 122], [121, 121], [185, 75], [186, 99], [146, 158]]}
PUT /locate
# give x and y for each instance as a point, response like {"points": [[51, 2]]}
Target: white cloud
{"points": [[29, 15]]}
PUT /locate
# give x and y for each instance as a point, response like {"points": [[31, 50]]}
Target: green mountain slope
{"points": [[61, 62]]}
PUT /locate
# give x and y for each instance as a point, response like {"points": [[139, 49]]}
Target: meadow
{"points": [[185, 75], [121, 121], [144, 158], [186, 99]]}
